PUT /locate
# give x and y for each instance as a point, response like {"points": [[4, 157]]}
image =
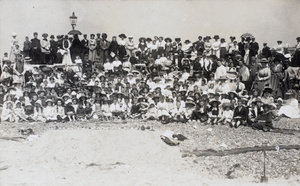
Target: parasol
{"points": [[245, 35], [73, 32]]}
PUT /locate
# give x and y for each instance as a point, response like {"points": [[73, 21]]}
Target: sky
{"points": [[267, 20]]}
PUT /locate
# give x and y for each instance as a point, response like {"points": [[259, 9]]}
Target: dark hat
{"points": [[199, 37], [187, 41], [45, 35], [35, 33], [122, 36], [298, 38], [149, 39], [177, 39], [216, 37], [264, 60], [279, 41], [168, 39], [92, 35], [52, 36], [268, 90], [228, 104], [232, 37], [141, 38], [208, 37]]}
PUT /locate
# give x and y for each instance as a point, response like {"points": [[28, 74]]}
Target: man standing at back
{"points": [[241, 47], [85, 46], [199, 45], [35, 49], [253, 48]]}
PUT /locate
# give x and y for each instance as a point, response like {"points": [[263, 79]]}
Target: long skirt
{"points": [[92, 55], [222, 52], [122, 53]]}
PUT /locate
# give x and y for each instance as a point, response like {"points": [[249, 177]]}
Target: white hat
{"points": [[14, 34], [68, 101]]}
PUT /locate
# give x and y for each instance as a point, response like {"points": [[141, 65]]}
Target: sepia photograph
{"points": [[149, 92]]}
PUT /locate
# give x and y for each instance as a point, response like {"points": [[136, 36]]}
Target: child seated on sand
{"points": [[19, 113], [227, 114], [7, 113], [70, 111]]}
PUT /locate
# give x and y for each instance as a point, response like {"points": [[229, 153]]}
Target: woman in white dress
{"points": [[216, 46], [66, 52], [290, 108], [13, 44]]}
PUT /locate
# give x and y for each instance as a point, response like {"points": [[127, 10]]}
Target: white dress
{"points": [[290, 110], [67, 55]]}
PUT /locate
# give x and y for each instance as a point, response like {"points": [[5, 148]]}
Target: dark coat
{"points": [[243, 113]]}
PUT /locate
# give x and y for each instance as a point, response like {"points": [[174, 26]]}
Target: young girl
{"points": [[213, 112], [240, 115], [39, 112], [50, 111], [227, 114], [60, 111], [70, 111], [19, 112], [89, 111], [80, 113], [7, 113]]}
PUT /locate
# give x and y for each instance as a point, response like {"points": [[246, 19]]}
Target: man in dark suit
{"points": [[241, 47], [253, 48], [266, 52], [36, 49], [85, 46], [199, 45], [53, 49], [180, 53], [58, 58]]}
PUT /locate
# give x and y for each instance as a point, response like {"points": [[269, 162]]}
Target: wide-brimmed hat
{"points": [[149, 39], [216, 37], [44, 35], [214, 101], [49, 100], [208, 37], [189, 104], [122, 36], [234, 92], [290, 92], [177, 39], [187, 41], [270, 90], [227, 104], [142, 38], [264, 60], [27, 59], [168, 39]]}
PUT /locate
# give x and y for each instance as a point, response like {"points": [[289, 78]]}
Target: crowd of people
{"points": [[210, 81]]}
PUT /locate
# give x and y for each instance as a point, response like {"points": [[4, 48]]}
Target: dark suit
{"points": [[266, 52], [35, 50], [253, 49], [53, 51], [243, 113], [242, 48], [199, 46], [85, 47]]}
